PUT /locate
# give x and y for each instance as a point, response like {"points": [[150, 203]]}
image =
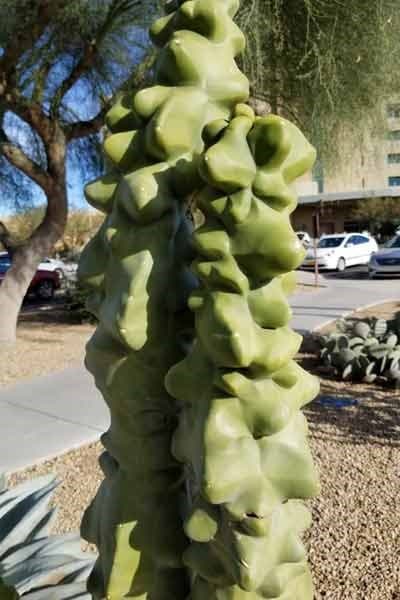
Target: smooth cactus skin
{"points": [[240, 432], [135, 269], [206, 458]]}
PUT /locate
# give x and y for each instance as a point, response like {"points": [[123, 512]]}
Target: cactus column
{"points": [[134, 267], [206, 459], [241, 435]]}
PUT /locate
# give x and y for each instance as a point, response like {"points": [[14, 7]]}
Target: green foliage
{"points": [[33, 564], [366, 350], [328, 65], [80, 227], [382, 215], [206, 458], [50, 48], [76, 301], [21, 225]]}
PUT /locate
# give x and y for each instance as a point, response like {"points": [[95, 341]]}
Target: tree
{"points": [[60, 64], [327, 65], [380, 215], [80, 227]]}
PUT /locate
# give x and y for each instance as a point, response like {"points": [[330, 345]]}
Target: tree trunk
{"points": [[26, 258]]}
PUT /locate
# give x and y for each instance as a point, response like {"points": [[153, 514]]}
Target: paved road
{"points": [[341, 295], [50, 415]]}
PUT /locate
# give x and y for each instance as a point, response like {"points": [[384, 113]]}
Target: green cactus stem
{"points": [[206, 460], [135, 270], [241, 435]]}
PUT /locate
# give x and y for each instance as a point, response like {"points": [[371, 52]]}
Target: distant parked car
{"points": [[304, 238], [339, 251], [44, 283], [387, 260], [55, 264]]}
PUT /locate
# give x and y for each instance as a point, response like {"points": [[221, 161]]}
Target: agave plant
{"points": [[364, 350], [35, 565]]}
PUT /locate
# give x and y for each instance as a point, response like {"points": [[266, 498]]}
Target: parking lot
{"points": [[356, 273]]}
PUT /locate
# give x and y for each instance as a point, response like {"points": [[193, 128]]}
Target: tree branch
{"points": [[29, 111], [85, 63], [84, 128], [23, 41], [20, 161], [81, 67]]}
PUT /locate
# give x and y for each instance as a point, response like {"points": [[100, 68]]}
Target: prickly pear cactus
{"points": [[206, 458], [367, 351]]}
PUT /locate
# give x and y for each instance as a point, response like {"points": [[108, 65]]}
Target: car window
{"points": [[333, 242], [394, 242], [352, 241], [361, 239]]}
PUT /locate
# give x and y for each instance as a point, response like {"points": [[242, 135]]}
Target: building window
{"points": [[393, 159], [394, 135], [393, 111], [394, 181]]}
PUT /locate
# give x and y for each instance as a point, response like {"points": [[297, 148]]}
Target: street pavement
{"points": [[339, 295], [50, 415]]}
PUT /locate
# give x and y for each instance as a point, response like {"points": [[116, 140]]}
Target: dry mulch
{"points": [[46, 342], [354, 543], [355, 538]]}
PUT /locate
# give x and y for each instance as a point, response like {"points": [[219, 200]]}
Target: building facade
{"points": [[371, 170]]}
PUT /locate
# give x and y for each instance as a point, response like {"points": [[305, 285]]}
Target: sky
{"points": [[84, 108], [82, 105]]}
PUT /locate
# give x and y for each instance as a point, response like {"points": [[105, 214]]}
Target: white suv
{"points": [[342, 250]]}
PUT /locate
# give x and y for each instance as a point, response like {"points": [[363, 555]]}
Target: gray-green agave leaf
{"points": [[34, 564], [362, 329], [69, 591]]}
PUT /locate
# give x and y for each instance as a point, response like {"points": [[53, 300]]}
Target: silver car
{"points": [[387, 260]]}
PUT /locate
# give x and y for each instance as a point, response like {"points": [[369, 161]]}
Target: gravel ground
{"points": [[50, 347], [354, 543], [355, 538]]}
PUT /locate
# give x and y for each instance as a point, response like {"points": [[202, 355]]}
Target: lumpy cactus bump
{"points": [[206, 462]]}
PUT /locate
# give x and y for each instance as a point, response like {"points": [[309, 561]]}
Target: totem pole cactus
{"points": [[206, 458]]}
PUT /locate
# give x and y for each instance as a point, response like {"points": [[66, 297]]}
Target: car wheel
{"points": [[341, 265], [45, 290]]}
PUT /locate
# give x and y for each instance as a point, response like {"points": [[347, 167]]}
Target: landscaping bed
{"points": [[355, 537], [48, 340]]}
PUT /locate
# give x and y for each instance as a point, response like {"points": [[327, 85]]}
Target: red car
{"points": [[44, 283]]}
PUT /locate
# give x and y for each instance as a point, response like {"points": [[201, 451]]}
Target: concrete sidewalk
{"points": [[47, 416], [51, 415]]}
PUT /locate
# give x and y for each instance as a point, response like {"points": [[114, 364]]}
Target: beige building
{"points": [[370, 172]]}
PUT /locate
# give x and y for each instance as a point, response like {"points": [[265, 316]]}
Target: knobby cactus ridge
{"points": [[206, 458]]}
